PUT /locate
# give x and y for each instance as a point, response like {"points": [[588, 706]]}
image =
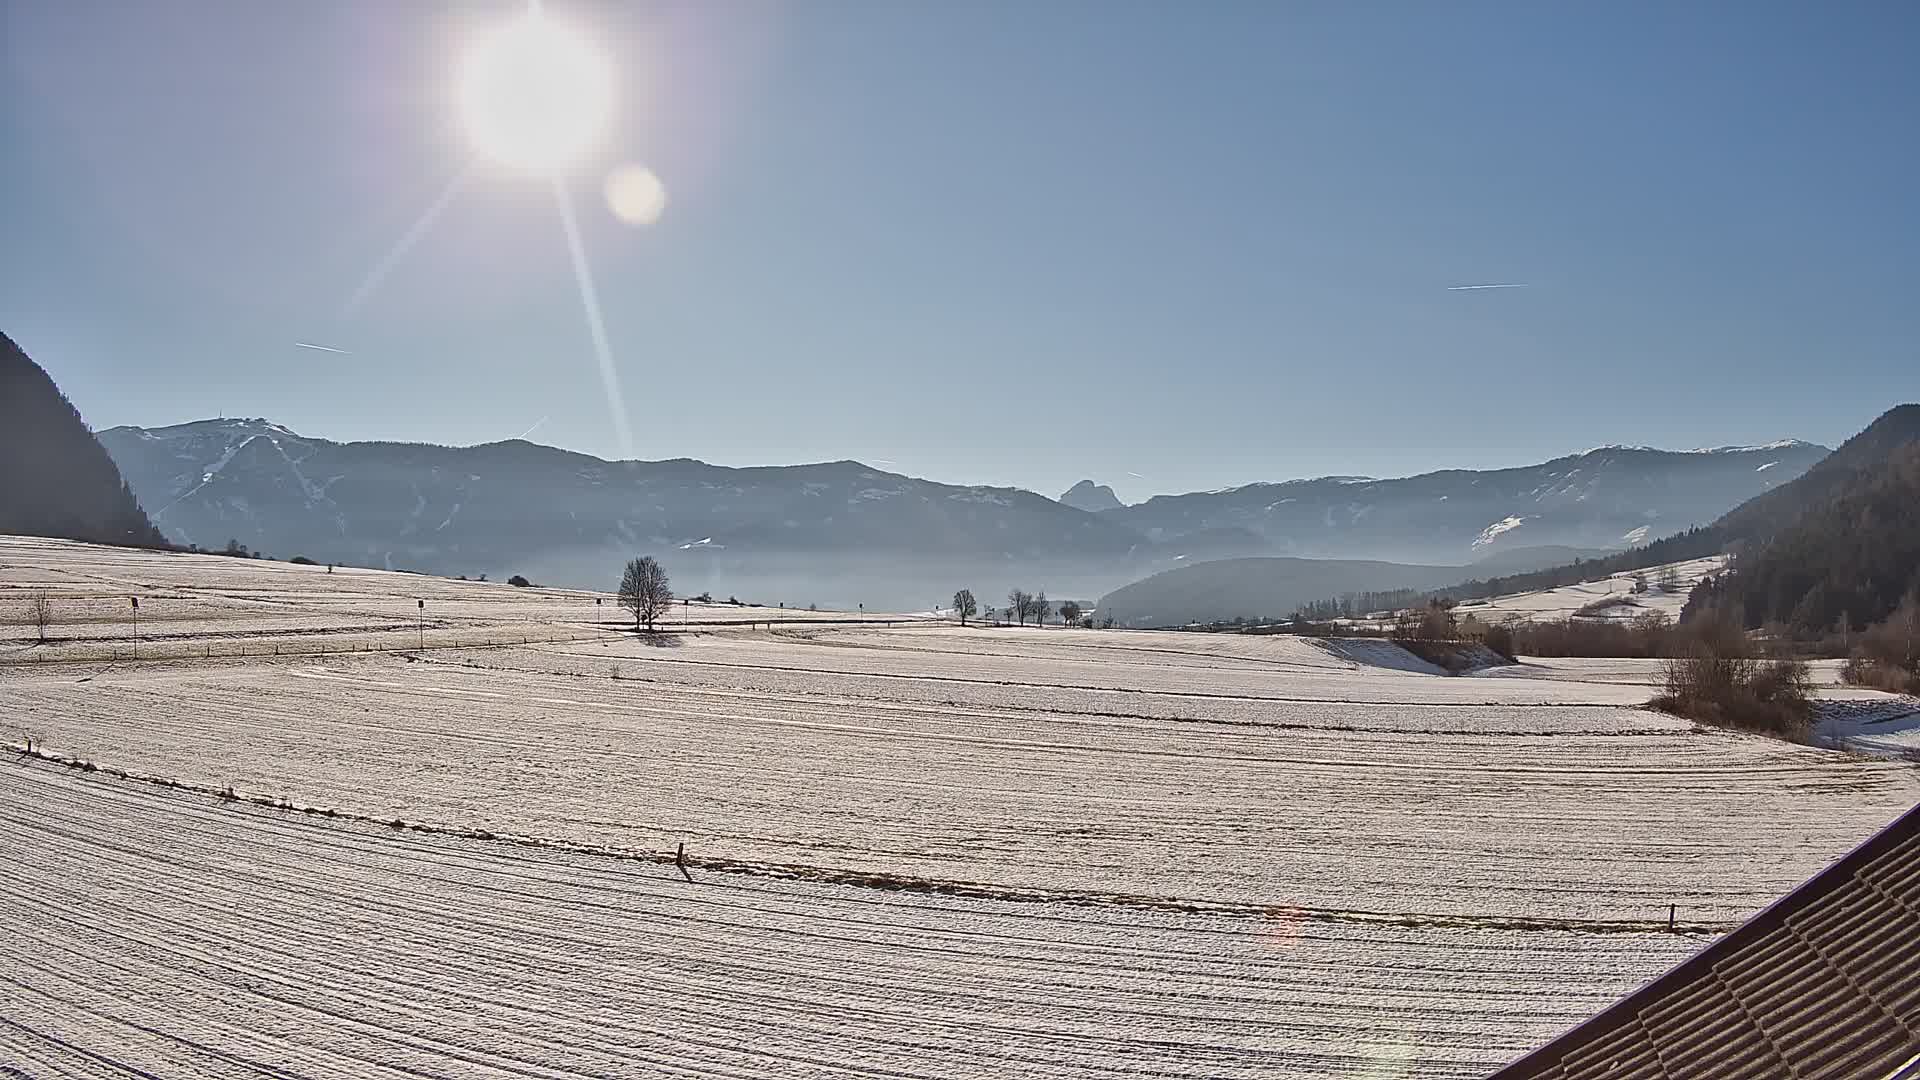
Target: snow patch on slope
{"points": [[1494, 531]]}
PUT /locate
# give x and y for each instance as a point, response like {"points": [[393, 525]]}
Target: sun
{"points": [[534, 94]]}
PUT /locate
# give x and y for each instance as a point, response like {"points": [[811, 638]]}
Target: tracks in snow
{"points": [[159, 932], [901, 882]]}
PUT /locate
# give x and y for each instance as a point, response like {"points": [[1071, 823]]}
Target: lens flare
{"points": [[534, 94], [635, 195], [596, 326]]}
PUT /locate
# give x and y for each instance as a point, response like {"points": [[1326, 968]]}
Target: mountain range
{"points": [[843, 533], [1222, 590], [1608, 497], [836, 533], [1091, 497], [1839, 548], [1833, 546], [1754, 525]]}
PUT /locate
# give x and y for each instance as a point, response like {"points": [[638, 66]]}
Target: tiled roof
{"points": [[1822, 985]]}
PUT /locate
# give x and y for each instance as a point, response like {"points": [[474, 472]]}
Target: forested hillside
{"points": [[1841, 565], [1755, 525], [55, 479]]}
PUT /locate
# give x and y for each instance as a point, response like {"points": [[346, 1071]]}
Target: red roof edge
{"points": [[1622, 1012]]}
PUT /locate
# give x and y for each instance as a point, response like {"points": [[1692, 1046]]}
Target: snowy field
{"points": [[159, 931], [1666, 594], [919, 850], [214, 606]]}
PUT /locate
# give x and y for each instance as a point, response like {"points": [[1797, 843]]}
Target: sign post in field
{"points": [[136, 626], [423, 624]]}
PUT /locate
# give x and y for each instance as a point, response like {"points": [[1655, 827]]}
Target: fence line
{"points": [[82, 653]]}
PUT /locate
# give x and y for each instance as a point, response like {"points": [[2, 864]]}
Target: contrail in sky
{"points": [[531, 430], [322, 348], [1496, 285], [1135, 475]]}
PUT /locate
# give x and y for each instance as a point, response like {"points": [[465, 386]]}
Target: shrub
{"points": [[1861, 671], [1431, 622], [1721, 683], [519, 582], [302, 560], [1888, 654], [1499, 638], [1451, 656], [1648, 636], [1604, 605]]}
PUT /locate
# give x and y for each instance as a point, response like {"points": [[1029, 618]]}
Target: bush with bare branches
{"points": [[1719, 680], [1888, 654]]}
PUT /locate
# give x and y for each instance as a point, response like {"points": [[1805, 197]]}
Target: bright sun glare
{"points": [[534, 94]]}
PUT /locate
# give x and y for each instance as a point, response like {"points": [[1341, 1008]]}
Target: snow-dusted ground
{"points": [[158, 933], [1564, 602], [214, 606], [921, 851], [1887, 725]]}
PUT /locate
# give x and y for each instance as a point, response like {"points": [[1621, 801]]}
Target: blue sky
{"points": [[1002, 243]]}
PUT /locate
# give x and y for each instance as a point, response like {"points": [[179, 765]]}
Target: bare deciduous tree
{"points": [[964, 605], [1041, 608], [40, 612], [644, 590], [1069, 612], [1020, 604]]}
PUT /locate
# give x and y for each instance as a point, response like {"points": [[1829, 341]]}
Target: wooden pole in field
{"points": [[136, 626], [680, 860], [423, 624]]}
